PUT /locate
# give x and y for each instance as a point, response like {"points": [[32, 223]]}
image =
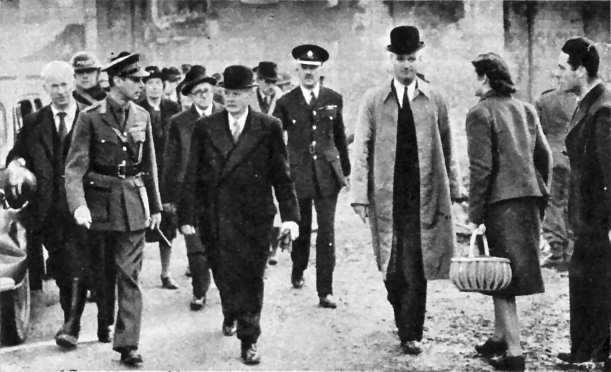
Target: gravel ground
{"points": [[297, 334]]}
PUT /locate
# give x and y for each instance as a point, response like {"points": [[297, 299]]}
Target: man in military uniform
{"points": [[200, 89], [555, 108], [161, 110], [112, 189], [86, 75], [318, 154]]}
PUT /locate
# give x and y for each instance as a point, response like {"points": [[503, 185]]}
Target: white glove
{"points": [[16, 176], [291, 227], [82, 216]]}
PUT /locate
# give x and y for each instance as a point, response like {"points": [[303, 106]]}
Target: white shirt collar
{"points": [[155, 107], [308, 92], [207, 112], [240, 121], [70, 115], [411, 90]]}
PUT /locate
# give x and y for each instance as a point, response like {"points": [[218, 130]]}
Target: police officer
{"points": [[112, 188], [312, 117], [86, 76]]}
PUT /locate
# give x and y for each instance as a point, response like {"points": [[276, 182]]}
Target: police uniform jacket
{"points": [[105, 172], [176, 156], [318, 152], [555, 109]]}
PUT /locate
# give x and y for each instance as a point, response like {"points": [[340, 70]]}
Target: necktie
{"points": [[312, 98], [405, 102], [235, 130], [62, 131]]}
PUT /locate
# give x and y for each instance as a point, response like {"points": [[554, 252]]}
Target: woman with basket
{"points": [[510, 166]]}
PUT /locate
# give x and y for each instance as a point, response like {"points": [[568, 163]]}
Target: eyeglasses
{"points": [[199, 92]]}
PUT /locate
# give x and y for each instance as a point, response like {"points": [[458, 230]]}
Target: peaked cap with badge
{"points": [[310, 54], [125, 64]]}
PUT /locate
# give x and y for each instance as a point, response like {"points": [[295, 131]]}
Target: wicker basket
{"points": [[480, 273]]}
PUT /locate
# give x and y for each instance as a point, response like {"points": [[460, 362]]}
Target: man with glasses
{"points": [[200, 89], [112, 189], [312, 117]]}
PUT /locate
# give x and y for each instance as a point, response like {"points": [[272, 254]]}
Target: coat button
{"points": [[315, 157], [314, 113], [605, 188], [313, 143], [124, 148], [125, 134], [314, 127], [103, 141], [294, 121], [331, 117]]}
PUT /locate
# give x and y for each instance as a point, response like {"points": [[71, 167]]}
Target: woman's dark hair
{"points": [[582, 52], [492, 66]]}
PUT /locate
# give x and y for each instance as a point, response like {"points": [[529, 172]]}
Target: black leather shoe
{"points": [[65, 340], [491, 348], [327, 302], [104, 334], [131, 358], [168, 283], [250, 355], [298, 282], [197, 303], [508, 362], [568, 358], [229, 327], [411, 347]]}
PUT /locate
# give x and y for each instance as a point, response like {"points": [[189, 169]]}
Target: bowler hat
{"points": [[196, 75], [237, 77], [310, 54], [154, 73], [84, 61], [267, 71], [170, 74], [125, 64], [404, 40]]}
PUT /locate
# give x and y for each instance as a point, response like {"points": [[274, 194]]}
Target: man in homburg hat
{"points": [[161, 110], [200, 89], [86, 75], [111, 183], [237, 158], [588, 144], [172, 77], [404, 181], [312, 117], [41, 147]]}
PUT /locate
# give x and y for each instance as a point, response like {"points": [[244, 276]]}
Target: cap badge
{"points": [[310, 54]]}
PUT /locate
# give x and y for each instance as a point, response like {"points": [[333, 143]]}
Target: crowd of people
{"points": [[235, 162]]}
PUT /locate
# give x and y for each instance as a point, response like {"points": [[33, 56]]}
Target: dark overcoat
{"points": [[99, 142], [318, 152], [589, 148], [161, 129], [228, 188], [176, 156], [34, 144]]}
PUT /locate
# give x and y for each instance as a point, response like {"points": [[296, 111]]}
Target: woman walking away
{"points": [[510, 165]]}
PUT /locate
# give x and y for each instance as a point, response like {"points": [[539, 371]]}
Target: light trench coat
{"points": [[373, 162]]}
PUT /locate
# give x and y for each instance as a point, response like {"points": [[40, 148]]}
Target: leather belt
{"points": [[120, 171]]}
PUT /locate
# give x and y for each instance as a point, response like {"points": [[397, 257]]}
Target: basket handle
{"points": [[474, 234]]}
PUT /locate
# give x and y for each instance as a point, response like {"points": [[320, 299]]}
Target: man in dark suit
{"points": [[237, 156], [41, 147], [588, 145], [112, 189], [161, 110], [200, 89], [318, 153]]}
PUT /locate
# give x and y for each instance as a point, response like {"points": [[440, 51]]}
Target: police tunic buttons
{"points": [[314, 127], [124, 148], [315, 157], [314, 113]]}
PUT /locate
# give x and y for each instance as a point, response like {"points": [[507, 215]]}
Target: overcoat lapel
{"points": [[583, 107], [249, 139], [47, 131]]}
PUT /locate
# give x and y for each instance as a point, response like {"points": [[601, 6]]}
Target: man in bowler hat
{"points": [[199, 87], [160, 110], [404, 179], [112, 189], [312, 117], [237, 157]]}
